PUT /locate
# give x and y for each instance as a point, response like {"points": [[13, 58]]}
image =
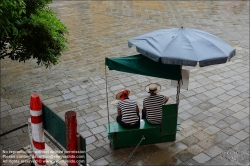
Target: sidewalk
{"points": [[214, 112]]}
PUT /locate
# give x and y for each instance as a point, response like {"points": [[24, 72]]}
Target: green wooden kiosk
{"points": [[138, 64]]}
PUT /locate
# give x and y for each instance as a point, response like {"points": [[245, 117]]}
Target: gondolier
{"points": [[127, 110], [152, 105]]}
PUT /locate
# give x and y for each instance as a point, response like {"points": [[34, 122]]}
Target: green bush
{"points": [[30, 29]]}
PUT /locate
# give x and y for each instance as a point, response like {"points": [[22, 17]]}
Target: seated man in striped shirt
{"points": [[128, 111], [152, 105]]}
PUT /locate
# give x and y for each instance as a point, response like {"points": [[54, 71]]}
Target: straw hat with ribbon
{"points": [[153, 88], [120, 95]]}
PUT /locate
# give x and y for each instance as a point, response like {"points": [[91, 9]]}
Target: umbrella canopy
{"points": [[183, 46]]}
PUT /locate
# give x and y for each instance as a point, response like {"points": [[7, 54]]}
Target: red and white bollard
{"points": [[37, 130]]}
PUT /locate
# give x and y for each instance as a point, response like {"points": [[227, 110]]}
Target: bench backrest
{"points": [[55, 126], [169, 119]]}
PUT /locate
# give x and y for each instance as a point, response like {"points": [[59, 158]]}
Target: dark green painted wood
{"points": [[55, 126], [121, 137], [169, 119]]}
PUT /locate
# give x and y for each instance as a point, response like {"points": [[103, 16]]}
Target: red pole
{"points": [[71, 146]]}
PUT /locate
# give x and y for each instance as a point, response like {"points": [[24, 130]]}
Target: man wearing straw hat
{"points": [[152, 105], [128, 111]]}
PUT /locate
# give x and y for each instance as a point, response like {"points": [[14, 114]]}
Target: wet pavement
{"points": [[214, 112]]}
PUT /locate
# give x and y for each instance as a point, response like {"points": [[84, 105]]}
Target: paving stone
{"points": [[241, 148], [100, 142], [186, 123], [202, 97], [213, 151], [235, 100], [201, 158], [91, 116], [190, 162], [198, 118], [184, 115], [232, 140], [220, 136], [10, 142], [229, 131], [233, 92], [241, 135], [211, 120], [224, 105], [230, 120], [240, 115], [86, 133], [201, 135], [210, 94], [90, 147], [190, 140], [68, 95], [199, 90], [245, 103], [214, 89], [98, 153], [218, 160], [227, 112], [206, 143], [224, 97], [91, 124], [90, 140], [208, 113], [184, 155], [205, 105], [201, 125], [188, 131], [211, 130], [195, 110], [221, 124], [98, 129], [101, 161], [116, 87], [215, 101], [104, 120], [214, 110], [81, 92], [245, 121], [141, 163], [195, 103], [224, 145], [153, 159], [238, 126], [236, 108]]}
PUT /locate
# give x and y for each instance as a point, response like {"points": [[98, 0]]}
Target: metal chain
{"points": [[131, 155]]}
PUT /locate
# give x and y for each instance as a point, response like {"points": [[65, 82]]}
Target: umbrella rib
{"points": [[193, 48], [140, 40], [169, 43]]}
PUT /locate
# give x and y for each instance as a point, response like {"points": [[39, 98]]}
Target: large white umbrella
{"points": [[183, 46]]}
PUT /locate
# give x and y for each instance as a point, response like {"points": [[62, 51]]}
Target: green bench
{"points": [[121, 137]]}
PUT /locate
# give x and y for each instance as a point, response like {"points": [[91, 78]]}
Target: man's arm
{"points": [[119, 112], [167, 98], [137, 110]]}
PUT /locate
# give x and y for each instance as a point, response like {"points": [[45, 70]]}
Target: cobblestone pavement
{"points": [[214, 112]]}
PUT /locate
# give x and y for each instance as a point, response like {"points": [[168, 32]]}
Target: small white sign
{"points": [[185, 80]]}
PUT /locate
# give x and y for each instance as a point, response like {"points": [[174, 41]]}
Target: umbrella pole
{"points": [[107, 97], [178, 90]]}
